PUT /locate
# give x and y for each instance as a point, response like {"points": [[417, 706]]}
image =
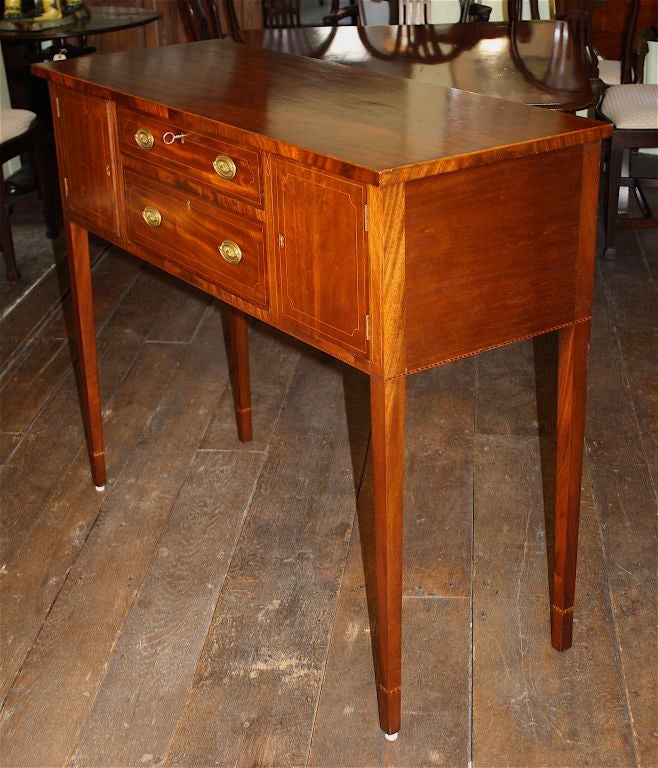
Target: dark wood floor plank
{"points": [[73, 648], [439, 481], [625, 490], [506, 395], [22, 321], [647, 243], [532, 705], [435, 672], [38, 462], [629, 288], [137, 707], [31, 583], [41, 369], [272, 359], [254, 696], [8, 444], [113, 274], [639, 351], [23, 394], [169, 325]]}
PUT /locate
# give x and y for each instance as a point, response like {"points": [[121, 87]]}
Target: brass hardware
{"points": [[367, 327], [282, 241], [59, 114], [169, 137], [230, 252], [66, 187], [144, 139], [224, 167], [152, 216]]}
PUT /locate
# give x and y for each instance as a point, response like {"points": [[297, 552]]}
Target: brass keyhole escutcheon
{"points": [[224, 167], [152, 216], [144, 139], [230, 252]]}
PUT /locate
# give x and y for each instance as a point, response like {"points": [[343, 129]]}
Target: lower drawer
{"points": [[217, 246]]}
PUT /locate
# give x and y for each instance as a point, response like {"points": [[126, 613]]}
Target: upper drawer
{"points": [[227, 167]]}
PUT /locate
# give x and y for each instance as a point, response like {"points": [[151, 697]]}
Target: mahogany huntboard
{"points": [[393, 224]]}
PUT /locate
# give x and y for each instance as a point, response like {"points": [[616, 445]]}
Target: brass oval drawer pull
{"points": [[224, 167], [144, 139], [152, 216], [230, 252]]}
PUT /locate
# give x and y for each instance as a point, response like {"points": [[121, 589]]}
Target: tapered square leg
{"points": [[77, 240], [239, 371], [571, 396], [387, 406]]}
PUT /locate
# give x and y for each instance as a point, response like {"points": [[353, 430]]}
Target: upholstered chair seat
{"points": [[14, 122], [631, 106]]}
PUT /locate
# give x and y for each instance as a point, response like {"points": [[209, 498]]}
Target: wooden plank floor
{"points": [[209, 608]]}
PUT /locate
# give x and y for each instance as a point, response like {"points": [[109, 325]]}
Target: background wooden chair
{"points": [[19, 137], [578, 13], [209, 19], [633, 108], [610, 70], [421, 12], [339, 12], [281, 13], [201, 19]]}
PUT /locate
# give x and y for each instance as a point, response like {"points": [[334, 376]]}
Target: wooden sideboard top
{"points": [[363, 125]]}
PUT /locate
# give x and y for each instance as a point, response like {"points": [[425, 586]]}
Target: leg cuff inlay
{"points": [[388, 691]]}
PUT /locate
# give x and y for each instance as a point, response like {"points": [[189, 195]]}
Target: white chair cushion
{"points": [[631, 106], [609, 71], [14, 122]]}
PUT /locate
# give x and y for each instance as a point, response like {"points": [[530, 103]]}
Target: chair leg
{"points": [[6, 240], [612, 206], [642, 202], [45, 173]]}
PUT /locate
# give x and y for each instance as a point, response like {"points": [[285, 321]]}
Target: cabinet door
{"points": [[322, 255], [87, 169]]}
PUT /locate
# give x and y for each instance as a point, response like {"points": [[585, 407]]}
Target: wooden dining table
{"points": [[22, 46], [528, 62]]}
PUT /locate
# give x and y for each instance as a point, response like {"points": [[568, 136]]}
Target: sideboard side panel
{"points": [[492, 255]]}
